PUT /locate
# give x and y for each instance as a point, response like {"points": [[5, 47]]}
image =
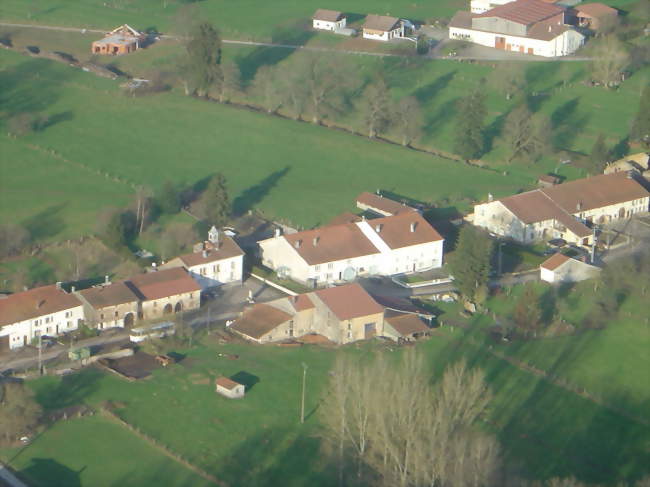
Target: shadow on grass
{"points": [[47, 472], [248, 380], [252, 196], [47, 223], [69, 390], [427, 93]]}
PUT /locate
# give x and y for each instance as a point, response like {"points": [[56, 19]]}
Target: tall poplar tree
{"points": [[470, 120]]}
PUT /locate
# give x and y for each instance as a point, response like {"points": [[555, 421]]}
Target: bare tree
{"points": [[509, 79], [609, 59], [228, 83], [13, 239], [19, 412], [374, 105], [408, 119], [527, 137], [266, 86], [294, 91]]}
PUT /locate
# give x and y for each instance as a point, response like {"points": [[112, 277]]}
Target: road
{"points": [[477, 53], [8, 478]]}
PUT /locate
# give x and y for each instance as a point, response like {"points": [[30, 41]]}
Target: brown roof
{"points": [[382, 203], [348, 301], [226, 249], [595, 10], [547, 178], [526, 12], [227, 383], [328, 15], [110, 295], [380, 22], [405, 323], [346, 217], [336, 242], [396, 230], [35, 302], [259, 320], [555, 261], [163, 283], [302, 302]]}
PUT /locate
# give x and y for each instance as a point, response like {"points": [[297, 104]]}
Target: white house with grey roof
{"points": [[398, 244]]}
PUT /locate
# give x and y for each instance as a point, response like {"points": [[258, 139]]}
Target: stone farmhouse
{"points": [[47, 310], [341, 314], [328, 20], [594, 16], [122, 40], [165, 291], [391, 245], [566, 211], [526, 26], [216, 261], [110, 305], [382, 28], [562, 268], [380, 205]]}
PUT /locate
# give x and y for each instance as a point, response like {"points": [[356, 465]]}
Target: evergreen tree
{"points": [[169, 198], [471, 112], [641, 125], [527, 314], [215, 201], [203, 57], [470, 262], [599, 153]]}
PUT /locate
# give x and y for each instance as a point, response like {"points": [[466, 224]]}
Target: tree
{"points": [[20, 124], [176, 239], [609, 59], [408, 120], [215, 203], [374, 105], [168, 198], [294, 91], [111, 228], [527, 314], [19, 412], [143, 211], [526, 137], [203, 57], [509, 79], [641, 124], [228, 81], [470, 116], [13, 239], [470, 262], [599, 153], [267, 87]]}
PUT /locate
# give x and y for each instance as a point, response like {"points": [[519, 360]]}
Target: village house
{"points": [[47, 310], [342, 314], [328, 20], [109, 305], [403, 326], [562, 268], [214, 262], [165, 291], [122, 40], [595, 16], [382, 28], [548, 180], [565, 210], [526, 26], [636, 162], [380, 205], [403, 243], [229, 388]]}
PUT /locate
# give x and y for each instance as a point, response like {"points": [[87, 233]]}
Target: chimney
{"points": [[550, 27], [413, 226], [153, 265], [72, 289], [58, 285], [490, 197], [378, 227], [579, 206], [205, 253], [40, 303], [106, 281], [316, 239], [278, 232], [298, 244]]}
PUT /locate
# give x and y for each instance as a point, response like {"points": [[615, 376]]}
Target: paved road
{"points": [[8, 478], [473, 53]]}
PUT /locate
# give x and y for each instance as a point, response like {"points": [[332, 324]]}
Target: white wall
{"points": [[384, 36], [53, 324], [218, 272], [546, 275], [325, 25]]}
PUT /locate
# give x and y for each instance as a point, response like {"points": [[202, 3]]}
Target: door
{"points": [[521, 48], [4, 343], [369, 330], [530, 50], [500, 42]]}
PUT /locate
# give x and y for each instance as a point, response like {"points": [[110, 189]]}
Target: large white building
{"points": [[217, 261], [47, 310], [566, 210], [526, 26], [391, 245]]}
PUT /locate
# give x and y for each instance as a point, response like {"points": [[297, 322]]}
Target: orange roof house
{"points": [[594, 15], [122, 40]]}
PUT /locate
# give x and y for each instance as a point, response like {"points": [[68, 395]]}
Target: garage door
{"points": [[4, 344]]}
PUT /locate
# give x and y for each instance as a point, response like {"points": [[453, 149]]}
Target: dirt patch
{"points": [[137, 366], [199, 379], [315, 339]]}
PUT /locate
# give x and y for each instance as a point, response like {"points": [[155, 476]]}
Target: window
{"points": [[317, 268], [69, 324], [101, 316], [330, 265], [232, 264], [214, 269]]}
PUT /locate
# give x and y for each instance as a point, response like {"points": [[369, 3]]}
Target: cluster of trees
{"points": [[471, 262], [14, 239], [386, 422], [19, 412]]}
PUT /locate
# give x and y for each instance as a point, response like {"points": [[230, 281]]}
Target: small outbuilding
{"points": [[562, 268], [122, 40], [595, 16], [404, 326], [382, 28], [328, 20], [229, 388]]}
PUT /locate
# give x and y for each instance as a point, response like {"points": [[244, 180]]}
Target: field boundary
{"points": [[162, 448]]}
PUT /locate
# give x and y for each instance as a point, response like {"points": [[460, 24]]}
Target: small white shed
{"points": [[562, 268], [229, 388], [328, 20]]}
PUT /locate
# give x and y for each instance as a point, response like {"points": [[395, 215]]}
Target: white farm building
{"points": [[328, 20], [526, 26]]}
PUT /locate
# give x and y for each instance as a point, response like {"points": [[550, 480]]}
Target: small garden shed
{"points": [[229, 388]]}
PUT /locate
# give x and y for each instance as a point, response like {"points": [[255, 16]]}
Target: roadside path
{"points": [[7, 477], [434, 54]]}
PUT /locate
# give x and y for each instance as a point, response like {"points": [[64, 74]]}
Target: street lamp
{"points": [[304, 379]]}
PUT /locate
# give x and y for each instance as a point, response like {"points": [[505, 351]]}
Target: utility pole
{"points": [[304, 379], [593, 245], [40, 353]]}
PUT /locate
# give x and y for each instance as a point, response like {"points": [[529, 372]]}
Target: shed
{"points": [[562, 268], [594, 15], [229, 388], [547, 180], [328, 20], [122, 40], [382, 28]]}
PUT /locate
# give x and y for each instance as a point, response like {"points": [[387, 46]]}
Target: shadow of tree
{"points": [[69, 390], [493, 130], [428, 92], [47, 472], [444, 115], [248, 198], [567, 122], [46, 223], [54, 119]]}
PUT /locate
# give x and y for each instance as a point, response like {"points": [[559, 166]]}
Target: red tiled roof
{"points": [[257, 321], [336, 242], [595, 10], [346, 217], [226, 249], [382, 203], [405, 323], [302, 302], [227, 383], [35, 302], [163, 283], [555, 261], [542, 30], [110, 295], [348, 301], [526, 12], [328, 15], [396, 230]]}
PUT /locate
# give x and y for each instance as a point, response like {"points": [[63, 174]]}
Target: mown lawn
{"points": [[94, 451]]}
